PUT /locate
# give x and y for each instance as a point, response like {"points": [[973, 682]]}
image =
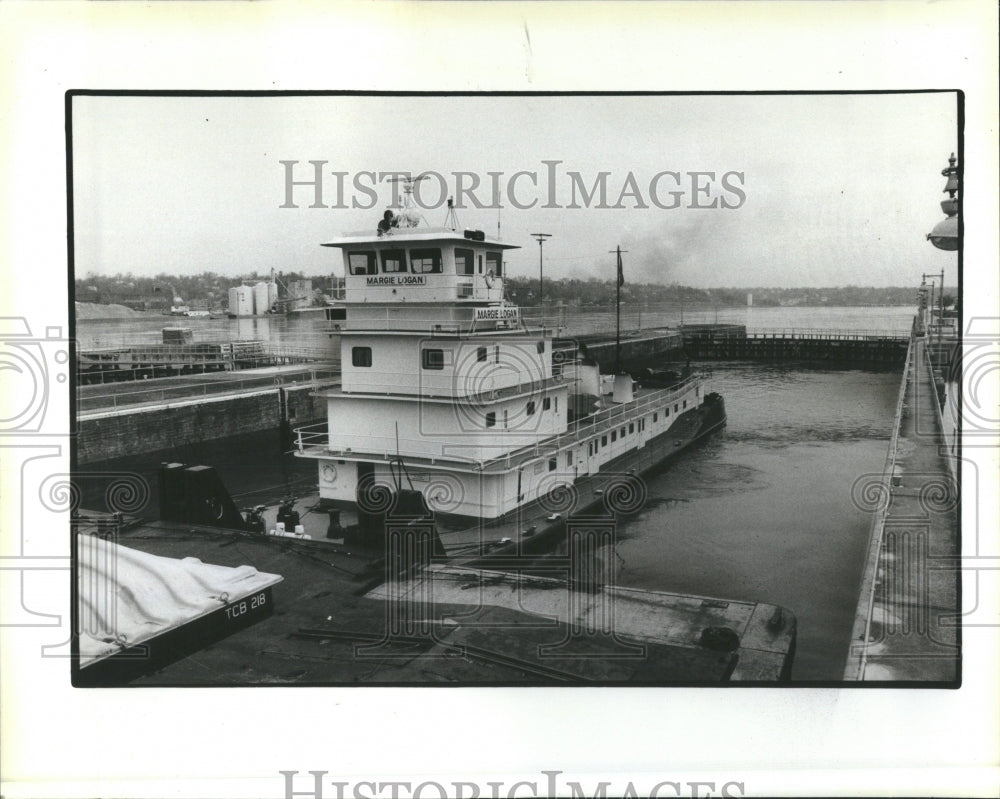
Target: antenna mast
{"points": [[451, 220]]}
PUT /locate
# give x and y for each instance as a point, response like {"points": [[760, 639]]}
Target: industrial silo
{"points": [[261, 301]]}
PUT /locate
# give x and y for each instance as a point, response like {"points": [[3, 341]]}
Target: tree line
{"points": [[589, 293]]}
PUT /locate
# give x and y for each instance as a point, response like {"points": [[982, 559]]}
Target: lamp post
{"points": [[540, 238], [930, 305], [946, 233]]}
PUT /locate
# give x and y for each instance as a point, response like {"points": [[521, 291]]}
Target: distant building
{"points": [[300, 293]]}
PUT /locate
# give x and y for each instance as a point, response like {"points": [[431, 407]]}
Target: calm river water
{"points": [[307, 330], [762, 511]]}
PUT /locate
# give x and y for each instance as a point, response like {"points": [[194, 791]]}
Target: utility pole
{"points": [[618, 308], [540, 238]]}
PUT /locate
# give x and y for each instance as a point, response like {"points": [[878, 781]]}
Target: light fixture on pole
{"points": [[540, 238]]}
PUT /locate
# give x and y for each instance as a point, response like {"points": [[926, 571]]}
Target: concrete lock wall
{"points": [[140, 431]]}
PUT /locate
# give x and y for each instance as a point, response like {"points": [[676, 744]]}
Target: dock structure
{"points": [[144, 361], [907, 623], [731, 342], [865, 348], [122, 419], [637, 348]]}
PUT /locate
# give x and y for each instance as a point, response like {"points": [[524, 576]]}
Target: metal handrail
{"points": [[878, 521], [605, 420], [209, 388], [316, 437], [949, 457], [829, 333]]}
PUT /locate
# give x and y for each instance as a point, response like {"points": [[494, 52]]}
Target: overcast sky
{"points": [[834, 190]]}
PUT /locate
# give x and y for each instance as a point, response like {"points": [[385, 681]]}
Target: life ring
{"points": [[489, 278]]}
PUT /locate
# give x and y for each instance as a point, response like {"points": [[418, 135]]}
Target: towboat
{"points": [[451, 391]]}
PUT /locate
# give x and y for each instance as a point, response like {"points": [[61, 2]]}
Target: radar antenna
{"points": [[408, 216]]}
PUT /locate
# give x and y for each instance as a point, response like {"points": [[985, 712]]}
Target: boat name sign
{"points": [[494, 313], [396, 280]]}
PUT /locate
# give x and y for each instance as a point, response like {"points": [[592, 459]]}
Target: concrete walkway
{"points": [[907, 627]]}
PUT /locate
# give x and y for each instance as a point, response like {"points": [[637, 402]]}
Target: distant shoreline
{"points": [[96, 312]]}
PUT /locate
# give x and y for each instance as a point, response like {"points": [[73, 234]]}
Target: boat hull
{"points": [[614, 489]]}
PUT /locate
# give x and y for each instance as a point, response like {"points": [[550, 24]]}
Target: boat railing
{"points": [[433, 321], [609, 418], [314, 439], [463, 391]]}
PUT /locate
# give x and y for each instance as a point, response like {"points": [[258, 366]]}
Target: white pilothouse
{"points": [[449, 390]]}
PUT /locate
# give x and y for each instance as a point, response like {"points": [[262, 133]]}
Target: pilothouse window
{"points": [[427, 261], [362, 263], [464, 261], [393, 261], [494, 263]]}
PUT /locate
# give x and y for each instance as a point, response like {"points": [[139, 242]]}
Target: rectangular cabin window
{"points": [[631, 427], [491, 419], [496, 354], [540, 346], [623, 431], [604, 441], [423, 262], [569, 458], [552, 464], [531, 408], [479, 259], [464, 261], [393, 261], [494, 263], [432, 359], [614, 435], [546, 403], [362, 262], [655, 417], [666, 412], [361, 356], [675, 407], [481, 354], [685, 403]]}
